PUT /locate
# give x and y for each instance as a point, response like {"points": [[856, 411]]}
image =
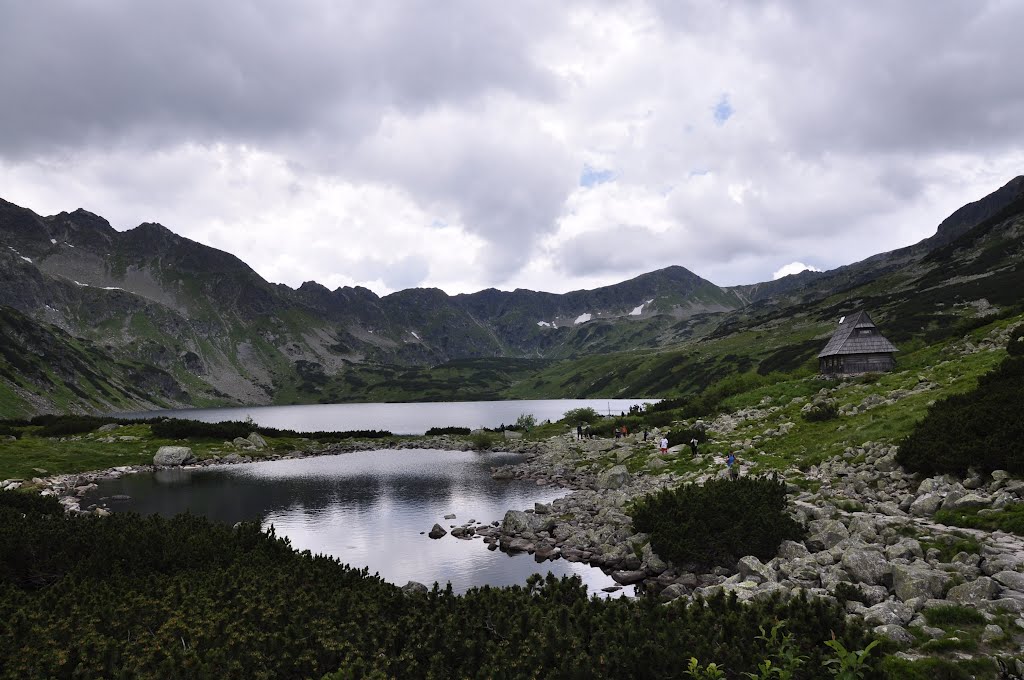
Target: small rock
{"points": [[437, 531]]}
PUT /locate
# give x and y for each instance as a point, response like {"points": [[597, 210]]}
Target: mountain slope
{"points": [[216, 332]]}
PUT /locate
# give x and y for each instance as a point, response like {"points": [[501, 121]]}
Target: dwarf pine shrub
{"points": [[716, 524]]}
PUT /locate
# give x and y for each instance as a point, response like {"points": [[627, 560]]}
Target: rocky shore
{"points": [[71, 488], [871, 542]]}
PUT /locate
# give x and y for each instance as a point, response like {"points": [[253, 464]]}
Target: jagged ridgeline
{"points": [[92, 319], [127, 596]]}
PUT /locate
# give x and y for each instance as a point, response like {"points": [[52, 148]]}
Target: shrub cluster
{"points": [[174, 428], [437, 431], [821, 411], [685, 435], [716, 524], [982, 429], [128, 596], [1015, 347], [66, 425]]}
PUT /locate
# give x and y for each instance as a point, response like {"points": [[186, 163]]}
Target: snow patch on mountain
{"points": [[583, 318], [639, 309]]}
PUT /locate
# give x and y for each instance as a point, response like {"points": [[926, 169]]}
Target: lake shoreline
{"points": [[870, 526]]}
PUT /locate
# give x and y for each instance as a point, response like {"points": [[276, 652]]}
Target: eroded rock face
{"points": [[168, 456]]}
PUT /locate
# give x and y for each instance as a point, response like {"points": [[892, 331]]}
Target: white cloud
{"points": [[552, 147], [793, 268]]}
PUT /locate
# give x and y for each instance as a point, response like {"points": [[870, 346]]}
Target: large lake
{"points": [[368, 508], [398, 418]]}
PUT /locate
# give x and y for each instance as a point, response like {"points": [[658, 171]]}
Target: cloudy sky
{"points": [[551, 146]]}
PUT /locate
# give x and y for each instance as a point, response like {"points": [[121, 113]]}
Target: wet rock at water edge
{"points": [[437, 531], [169, 456]]}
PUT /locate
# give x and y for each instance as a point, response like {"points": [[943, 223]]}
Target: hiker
{"points": [[579, 432], [645, 434], [664, 444], [693, 446], [734, 469]]}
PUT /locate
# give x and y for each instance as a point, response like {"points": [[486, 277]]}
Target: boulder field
{"points": [[869, 525]]}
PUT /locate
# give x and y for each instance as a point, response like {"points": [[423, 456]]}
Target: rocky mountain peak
{"points": [[966, 217]]}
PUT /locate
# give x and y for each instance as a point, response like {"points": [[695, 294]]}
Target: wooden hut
{"points": [[856, 347]]}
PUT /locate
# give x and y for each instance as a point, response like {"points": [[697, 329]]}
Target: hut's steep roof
{"points": [[846, 341]]}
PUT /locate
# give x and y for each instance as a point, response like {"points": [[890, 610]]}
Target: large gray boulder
{"points": [[628, 577], [918, 580], [895, 633], [971, 500], [1014, 580], [257, 440], [824, 534], [888, 613], [927, 504], [867, 566], [613, 478], [751, 566], [168, 456], [791, 550], [974, 592], [517, 522]]}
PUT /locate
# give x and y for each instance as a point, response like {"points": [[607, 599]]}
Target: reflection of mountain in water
{"points": [[369, 509], [355, 483]]}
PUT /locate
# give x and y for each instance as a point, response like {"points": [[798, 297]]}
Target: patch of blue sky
{"points": [[723, 110], [593, 176]]}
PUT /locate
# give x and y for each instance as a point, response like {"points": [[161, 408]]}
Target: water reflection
{"points": [[370, 509]]}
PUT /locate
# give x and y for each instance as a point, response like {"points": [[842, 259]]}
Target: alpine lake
{"points": [[373, 508]]}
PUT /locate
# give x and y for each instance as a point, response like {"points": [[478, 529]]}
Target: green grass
{"points": [[953, 615], [1009, 519], [21, 459]]}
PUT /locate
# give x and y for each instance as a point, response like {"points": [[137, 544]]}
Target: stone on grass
{"points": [[173, 455]]}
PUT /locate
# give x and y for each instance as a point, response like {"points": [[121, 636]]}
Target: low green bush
{"points": [[898, 668], [716, 524], [481, 440], [131, 596], [584, 414], [176, 428], [66, 425], [982, 428], [447, 430], [1009, 519], [685, 435], [820, 412], [1015, 347], [953, 615]]}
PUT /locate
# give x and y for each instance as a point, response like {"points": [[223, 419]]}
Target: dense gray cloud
{"points": [[98, 73], [552, 146]]}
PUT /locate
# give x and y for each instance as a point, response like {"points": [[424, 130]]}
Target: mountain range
{"points": [[93, 319]]}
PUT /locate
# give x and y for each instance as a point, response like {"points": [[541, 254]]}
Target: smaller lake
{"points": [[367, 508], [400, 418]]}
